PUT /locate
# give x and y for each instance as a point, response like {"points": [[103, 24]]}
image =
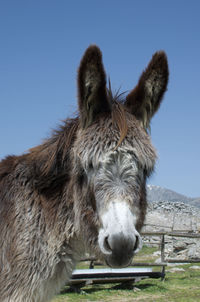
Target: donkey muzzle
{"points": [[118, 238], [119, 249]]}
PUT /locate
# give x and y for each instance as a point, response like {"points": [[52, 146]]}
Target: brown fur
{"points": [[119, 119]]}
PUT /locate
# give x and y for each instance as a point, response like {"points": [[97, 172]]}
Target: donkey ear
{"points": [[145, 99], [92, 95]]}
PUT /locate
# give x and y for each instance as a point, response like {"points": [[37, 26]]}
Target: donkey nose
{"points": [[120, 243], [120, 249]]}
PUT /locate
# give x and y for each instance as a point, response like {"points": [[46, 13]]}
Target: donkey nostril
{"points": [[107, 245], [136, 243]]}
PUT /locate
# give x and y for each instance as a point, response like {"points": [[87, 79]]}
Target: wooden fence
{"points": [[164, 261], [97, 276]]}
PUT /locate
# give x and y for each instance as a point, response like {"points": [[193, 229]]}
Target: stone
{"points": [[176, 269], [195, 267], [136, 289], [157, 253]]}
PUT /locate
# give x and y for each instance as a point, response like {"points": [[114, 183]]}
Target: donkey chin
{"points": [[118, 238]]}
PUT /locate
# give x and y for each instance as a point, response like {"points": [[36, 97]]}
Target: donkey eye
{"points": [[82, 178], [90, 166]]}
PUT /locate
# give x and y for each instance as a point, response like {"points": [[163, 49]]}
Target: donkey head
{"points": [[114, 156]]}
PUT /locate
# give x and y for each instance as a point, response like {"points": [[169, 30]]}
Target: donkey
{"points": [[83, 189]]}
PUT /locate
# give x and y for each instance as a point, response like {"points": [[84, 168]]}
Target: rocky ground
{"points": [[166, 215], [174, 217]]}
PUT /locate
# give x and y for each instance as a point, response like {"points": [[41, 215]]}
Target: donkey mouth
{"points": [[118, 261]]}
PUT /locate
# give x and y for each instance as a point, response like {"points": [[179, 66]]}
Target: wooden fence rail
{"points": [[173, 234]]}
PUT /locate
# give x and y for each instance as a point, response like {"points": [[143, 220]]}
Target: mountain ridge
{"points": [[157, 194]]}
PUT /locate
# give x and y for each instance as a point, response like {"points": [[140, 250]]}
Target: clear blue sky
{"points": [[41, 44]]}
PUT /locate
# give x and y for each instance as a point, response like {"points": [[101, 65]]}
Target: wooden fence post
{"points": [[163, 255]]}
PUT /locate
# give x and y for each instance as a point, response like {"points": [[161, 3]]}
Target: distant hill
{"points": [[156, 193], [196, 202]]}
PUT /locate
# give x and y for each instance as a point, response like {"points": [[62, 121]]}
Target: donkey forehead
{"points": [[97, 145]]}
